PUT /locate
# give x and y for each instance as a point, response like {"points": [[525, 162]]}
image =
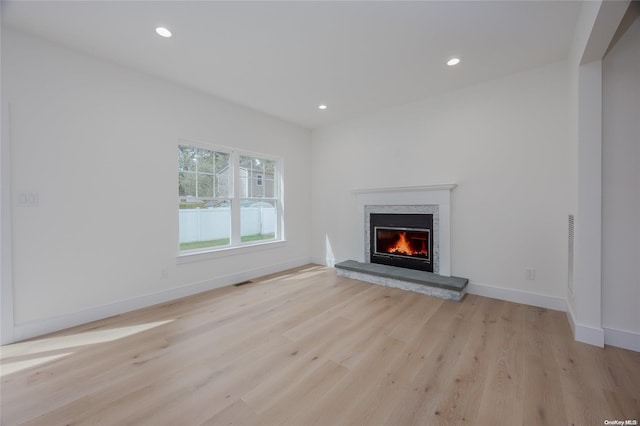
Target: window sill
{"points": [[198, 256]]}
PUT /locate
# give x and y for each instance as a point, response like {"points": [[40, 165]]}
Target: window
{"points": [[226, 198]]}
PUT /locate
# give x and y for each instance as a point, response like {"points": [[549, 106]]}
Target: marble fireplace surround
{"points": [[430, 199]]}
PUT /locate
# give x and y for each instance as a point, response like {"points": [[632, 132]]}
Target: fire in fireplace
{"points": [[403, 240]]}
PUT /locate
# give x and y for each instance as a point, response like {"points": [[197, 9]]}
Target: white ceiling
{"points": [[286, 58]]}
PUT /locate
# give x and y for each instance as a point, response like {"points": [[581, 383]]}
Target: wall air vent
{"points": [[571, 237]]}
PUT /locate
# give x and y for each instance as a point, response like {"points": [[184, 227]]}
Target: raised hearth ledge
{"points": [[450, 288]]}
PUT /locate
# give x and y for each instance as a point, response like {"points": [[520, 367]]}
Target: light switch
{"points": [[28, 199]]}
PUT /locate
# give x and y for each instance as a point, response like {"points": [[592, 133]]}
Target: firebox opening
{"points": [[407, 242], [403, 240]]}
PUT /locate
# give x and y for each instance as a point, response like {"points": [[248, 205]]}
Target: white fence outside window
{"points": [[215, 223]]}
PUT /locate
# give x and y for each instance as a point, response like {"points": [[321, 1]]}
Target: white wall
{"points": [[97, 143], [621, 184], [504, 142]]}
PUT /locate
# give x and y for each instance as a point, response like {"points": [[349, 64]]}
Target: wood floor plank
{"points": [[237, 413], [305, 347], [504, 396], [305, 392], [432, 385], [478, 354], [356, 388], [545, 402]]}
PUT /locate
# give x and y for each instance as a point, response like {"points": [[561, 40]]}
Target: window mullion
{"points": [[279, 197], [235, 199], [196, 173]]}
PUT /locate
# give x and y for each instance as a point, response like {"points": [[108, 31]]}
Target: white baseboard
{"points": [[47, 325], [622, 339], [517, 296], [584, 333], [591, 335]]}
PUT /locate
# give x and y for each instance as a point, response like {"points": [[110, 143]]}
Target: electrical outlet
{"points": [[164, 273], [530, 274]]}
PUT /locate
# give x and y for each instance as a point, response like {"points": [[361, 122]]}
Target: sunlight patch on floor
{"points": [[12, 367], [75, 340], [302, 276]]}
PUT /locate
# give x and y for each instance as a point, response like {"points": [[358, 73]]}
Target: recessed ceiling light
{"points": [[453, 61], [322, 107], [162, 31]]}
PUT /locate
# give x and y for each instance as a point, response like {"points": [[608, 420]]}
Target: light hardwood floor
{"points": [[308, 348]]}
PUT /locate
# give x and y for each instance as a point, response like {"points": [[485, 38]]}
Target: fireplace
{"points": [[434, 200], [403, 240], [408, 227]]}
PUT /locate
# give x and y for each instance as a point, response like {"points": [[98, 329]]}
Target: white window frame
{"points": [[236, 246]]}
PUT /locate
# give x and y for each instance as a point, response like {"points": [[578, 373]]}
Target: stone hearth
{"points": [[451, 288]]}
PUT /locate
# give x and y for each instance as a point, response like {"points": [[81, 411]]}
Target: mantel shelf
{"points": [[418, 188]]}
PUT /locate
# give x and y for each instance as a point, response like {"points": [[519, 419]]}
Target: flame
{"points": [[403, 246]]}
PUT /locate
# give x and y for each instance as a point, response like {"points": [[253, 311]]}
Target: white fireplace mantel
{"points": [[420, 188], [439, 195]]}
